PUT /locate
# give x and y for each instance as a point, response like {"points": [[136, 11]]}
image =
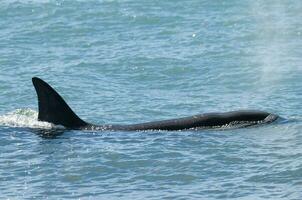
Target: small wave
{"points": [[24, 118]]}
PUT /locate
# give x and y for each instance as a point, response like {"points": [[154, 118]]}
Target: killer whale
{"points": [[53, 109]]}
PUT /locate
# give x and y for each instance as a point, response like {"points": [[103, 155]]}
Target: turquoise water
{"points": [[135, 61]]}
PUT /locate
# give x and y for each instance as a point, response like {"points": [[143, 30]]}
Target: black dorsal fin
{"points": [[53, 108]]}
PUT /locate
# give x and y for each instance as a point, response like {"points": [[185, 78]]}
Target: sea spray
{"points": [[24, 118]]}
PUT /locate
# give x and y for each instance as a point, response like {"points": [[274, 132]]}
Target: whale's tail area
{"points": [[53, 108]]}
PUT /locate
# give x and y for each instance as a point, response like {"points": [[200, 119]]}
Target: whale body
{"points": [[53, 109]]}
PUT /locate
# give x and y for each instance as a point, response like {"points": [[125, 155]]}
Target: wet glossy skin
{"points": [[53, 109]]}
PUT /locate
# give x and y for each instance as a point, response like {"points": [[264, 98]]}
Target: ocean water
{"points": [[130, 61]]}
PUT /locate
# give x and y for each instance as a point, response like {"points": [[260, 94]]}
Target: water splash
{"points": [[24, 118]]}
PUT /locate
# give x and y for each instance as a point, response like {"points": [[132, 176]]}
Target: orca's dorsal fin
{"points": [[53, 108]]}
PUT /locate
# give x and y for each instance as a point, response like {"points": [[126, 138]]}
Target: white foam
{"points": [[24, 118]]}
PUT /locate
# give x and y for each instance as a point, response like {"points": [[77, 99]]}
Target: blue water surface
{"points": [[130, 61]]}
